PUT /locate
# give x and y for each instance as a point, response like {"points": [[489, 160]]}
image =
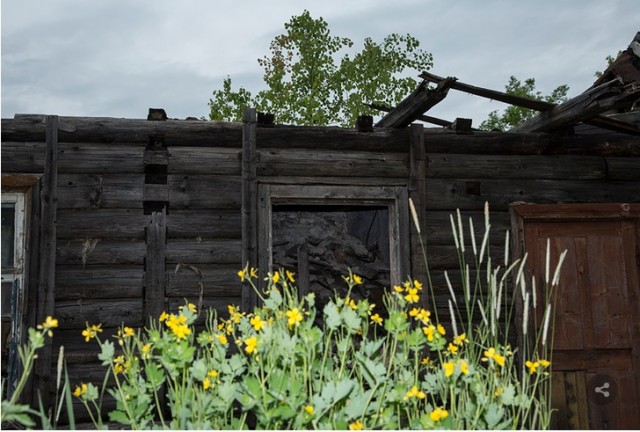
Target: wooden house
{"points": [[116, 220]]}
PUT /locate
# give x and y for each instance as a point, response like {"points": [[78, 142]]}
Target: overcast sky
{"points": [[118, 58]]}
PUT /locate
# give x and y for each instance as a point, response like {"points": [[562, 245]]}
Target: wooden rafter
{"points": [[599, 120], [413, 106], [587, 105]]}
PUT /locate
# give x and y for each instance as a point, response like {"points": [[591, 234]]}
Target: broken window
{"points": [[11, 289]]}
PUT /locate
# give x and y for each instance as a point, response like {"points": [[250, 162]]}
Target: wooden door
{"points": [[596, 358]]}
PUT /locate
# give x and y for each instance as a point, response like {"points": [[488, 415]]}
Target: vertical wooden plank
{"points": [[47, 273], [155, 266], [249, 204], [582, 404], [264, 236], [558, 402], [418, 193], [575, 399]]}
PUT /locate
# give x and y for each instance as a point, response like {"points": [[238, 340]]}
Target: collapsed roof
{"points": [[616, 90]]}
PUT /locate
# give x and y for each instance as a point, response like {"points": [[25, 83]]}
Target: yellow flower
{"points": [[234, 314], [145, 350], [544, 363], [206, 383], [533, 366], [429, 332], [91, 332], [448, 369], [460, 339], [80, 390], [128, 332], [426, 361], [417, 285], [398, 289], [181, 331], [498, 392], [464, 367], [356, 425], [376, 319], [119, 364], [441, 330], [420, 314], [250, 345], [492, 354], [414, 393], [222, 339], [294, 317], [275, 278], [257, 323], [163, 316], [357, 279], [213, 374], [253, 273], [309, 409], [290, 276], [453, 349], [192, 307], [241, 274], [48, 324], [352, 304], [439, 414], [412, 296]]}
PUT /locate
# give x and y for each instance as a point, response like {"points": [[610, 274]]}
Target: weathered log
{"points": [[219, 280], [206, 251], [583, 107], [442, 165], [203, 224], [446, 194], [204, 191], [424, 118], [106, 281], [101, 223], [413, 106], [331, 163]]}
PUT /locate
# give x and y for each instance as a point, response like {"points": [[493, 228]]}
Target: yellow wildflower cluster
{"points": [[439, 414], [91, 332], [257, 323], [356, 425], [208, 381], [420, 314], [450, 367], [247, 273], [533, 366], [410, 289], [432, 332], [120, 364], [414, 393], [494, 356], [177, 324], [48, 324], [81, 390]]}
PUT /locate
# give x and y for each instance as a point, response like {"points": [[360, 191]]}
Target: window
{"points": [[11, 289]]}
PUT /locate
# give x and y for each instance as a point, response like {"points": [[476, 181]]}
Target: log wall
{"points": [[115, 176]]}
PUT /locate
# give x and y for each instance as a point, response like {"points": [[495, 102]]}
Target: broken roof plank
{"points": [[600, 120], [582, 107], [413, 106], [424, 118]]}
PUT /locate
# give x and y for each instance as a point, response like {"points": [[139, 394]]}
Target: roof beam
{"points": [[582, 107], [599, 120], [413, 106]]}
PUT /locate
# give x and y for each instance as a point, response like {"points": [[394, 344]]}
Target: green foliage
{"points": [[306, 85], [514, 115], [610, 59]]}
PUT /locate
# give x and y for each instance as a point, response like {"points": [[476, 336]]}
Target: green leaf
{"points": [[493, 415], [119, 416], [350, 319], [508, 395], [199, 370], [331, 316], [17, 412], [106, 353]]}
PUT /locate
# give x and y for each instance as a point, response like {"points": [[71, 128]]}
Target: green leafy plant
{"points": [[388, 366]]}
